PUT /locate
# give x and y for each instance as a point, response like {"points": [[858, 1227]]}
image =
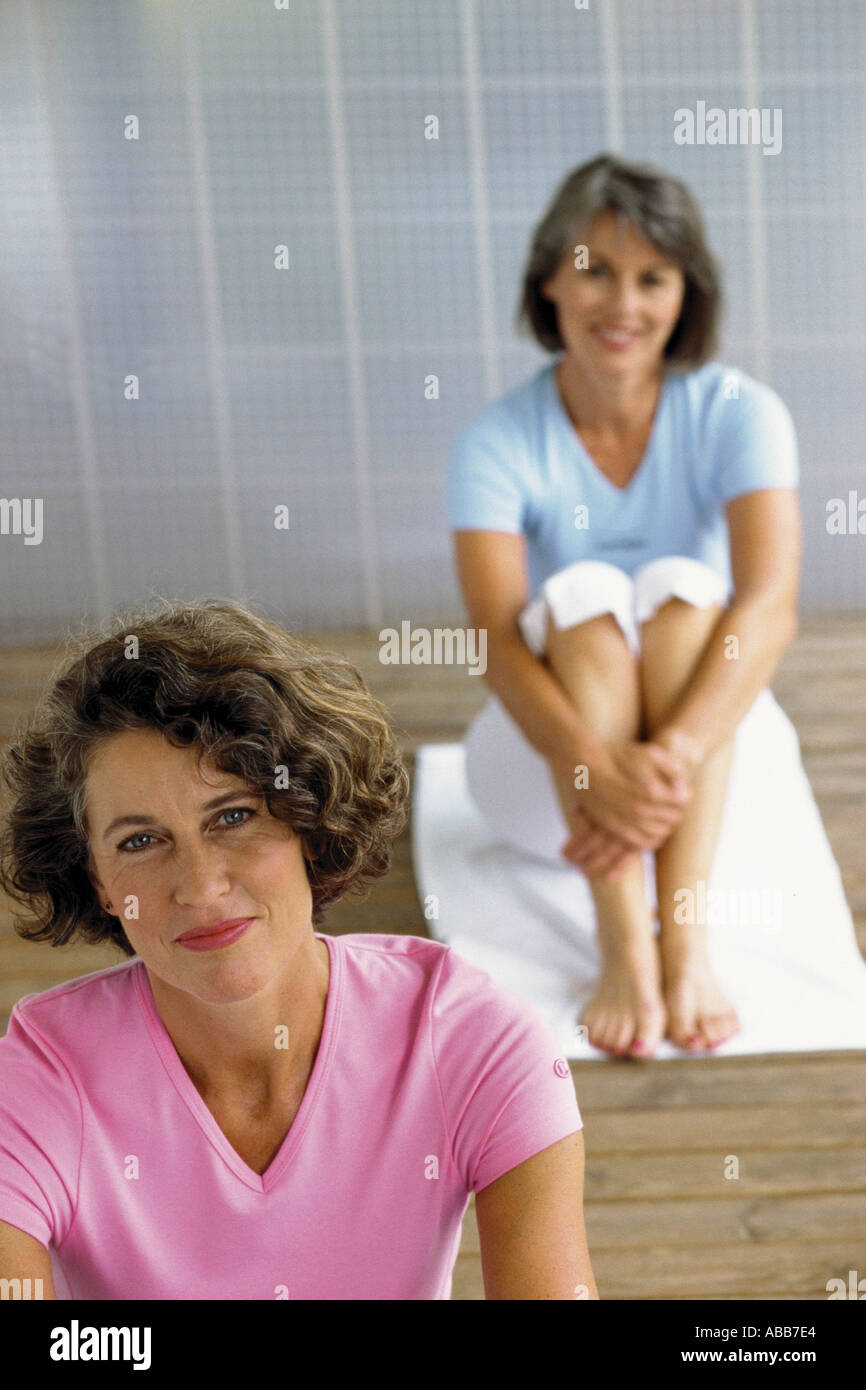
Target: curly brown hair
{"points": [[248, 696], [665, 212]]}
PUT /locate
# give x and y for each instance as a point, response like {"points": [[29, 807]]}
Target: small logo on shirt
{"points": [[561, 1067], [622, 543]]}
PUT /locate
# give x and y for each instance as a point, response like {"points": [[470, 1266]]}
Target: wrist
{"points": [[691, 750], [587, 752]]}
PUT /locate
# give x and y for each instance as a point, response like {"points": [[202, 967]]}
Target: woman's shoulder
{"points": [[460, 992], [61, 1017], [719, 393], [511, 413], [408, 962]]}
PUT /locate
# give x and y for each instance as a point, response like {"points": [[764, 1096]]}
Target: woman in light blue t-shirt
{"points": [[627, 531]]}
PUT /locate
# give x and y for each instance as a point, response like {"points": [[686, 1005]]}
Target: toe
{"points": [[648, 1034], [680, 1030], [601, 1034]]}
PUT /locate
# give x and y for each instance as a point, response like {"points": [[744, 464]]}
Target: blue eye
{"points": [[141, 835], [128, 847]]}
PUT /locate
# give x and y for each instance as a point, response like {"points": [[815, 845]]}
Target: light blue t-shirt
{"points": [[520, 466]]}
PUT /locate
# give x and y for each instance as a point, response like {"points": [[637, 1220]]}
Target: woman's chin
{"points": [[220, 982], [230, 984]]}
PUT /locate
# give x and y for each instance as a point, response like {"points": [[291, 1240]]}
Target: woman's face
{"points": [[617, 314], [191, 853]]}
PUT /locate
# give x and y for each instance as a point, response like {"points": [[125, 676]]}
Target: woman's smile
{"points": [[614, 338], [214, 938]]}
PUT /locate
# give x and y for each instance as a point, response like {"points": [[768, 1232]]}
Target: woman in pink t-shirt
{"points": [[274, 1113]]}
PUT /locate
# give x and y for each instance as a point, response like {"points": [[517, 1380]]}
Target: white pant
{"points": [[591, 587], [509, 781]]}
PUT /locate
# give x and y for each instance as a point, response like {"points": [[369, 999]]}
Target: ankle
{"points": [[632, 947], [679, 944]]}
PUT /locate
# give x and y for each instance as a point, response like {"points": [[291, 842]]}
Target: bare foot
{"points": [[700, 1017], [626, 1015]]}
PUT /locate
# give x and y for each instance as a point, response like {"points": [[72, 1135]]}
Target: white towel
{"points": [[796, 977]]}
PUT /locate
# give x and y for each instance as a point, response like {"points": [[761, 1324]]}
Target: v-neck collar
{"points": [[259, 1182], [565, 422]]}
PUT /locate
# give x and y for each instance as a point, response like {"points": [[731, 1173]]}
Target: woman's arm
{"points": [[531, 1228], [747, 643], [22, 1257], [492, 569]]}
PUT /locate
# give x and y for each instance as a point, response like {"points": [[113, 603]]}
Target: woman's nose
{"points": [[200, 874], [624, 295]]}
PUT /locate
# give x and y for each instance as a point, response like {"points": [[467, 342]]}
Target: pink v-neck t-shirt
{"points": [[429, 1083]]}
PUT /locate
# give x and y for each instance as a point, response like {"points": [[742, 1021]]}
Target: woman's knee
{"points": [[677, 577], [574, 597]]}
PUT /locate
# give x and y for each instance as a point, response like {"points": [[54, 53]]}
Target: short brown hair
{"points": [[664, 211], [248, 696]]}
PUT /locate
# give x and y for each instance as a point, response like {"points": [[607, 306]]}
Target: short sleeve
{"points": [[40, 1134], [486, 489], [753, 442], [506, 1089]]}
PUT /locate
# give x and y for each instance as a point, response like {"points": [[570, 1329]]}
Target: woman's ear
{"points": [[97, 885], [310, 849], [548, 285]]}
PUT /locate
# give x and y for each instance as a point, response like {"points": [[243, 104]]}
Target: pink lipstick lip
{"points": [[215, 941], [196, 933]]}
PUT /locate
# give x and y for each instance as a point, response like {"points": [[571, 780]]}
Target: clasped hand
{"points": [[637, 793]]}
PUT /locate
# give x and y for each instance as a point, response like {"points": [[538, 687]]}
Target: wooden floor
{"points": [[663, 1221]]}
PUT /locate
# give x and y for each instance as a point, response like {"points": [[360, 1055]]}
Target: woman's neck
{"points": [[606, 405], [229, 1050]]}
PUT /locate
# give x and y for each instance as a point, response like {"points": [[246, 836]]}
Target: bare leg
{"points": [[626, 1014], [699, 1015]]}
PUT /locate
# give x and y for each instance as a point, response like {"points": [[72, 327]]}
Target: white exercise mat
{"points": [[780, 934]]}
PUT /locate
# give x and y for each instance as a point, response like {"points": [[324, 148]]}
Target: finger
{"points": [[617, 870], [609, 854], [657, 820], [667, 763], [642, 828], [668, 795], [600, 868], [595, 854], [618, 828], [671, 783], [583, 844], [591, 848]]}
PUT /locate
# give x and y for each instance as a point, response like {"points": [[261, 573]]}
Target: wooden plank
{"points": [[763, 1172], [794, 1078], [667, 1272], [778, 1126]]}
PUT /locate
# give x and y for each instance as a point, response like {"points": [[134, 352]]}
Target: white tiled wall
{"points": [[304, 127]]}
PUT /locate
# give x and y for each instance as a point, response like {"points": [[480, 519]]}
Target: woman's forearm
{"points": [[537, 701], [739, 661]]}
